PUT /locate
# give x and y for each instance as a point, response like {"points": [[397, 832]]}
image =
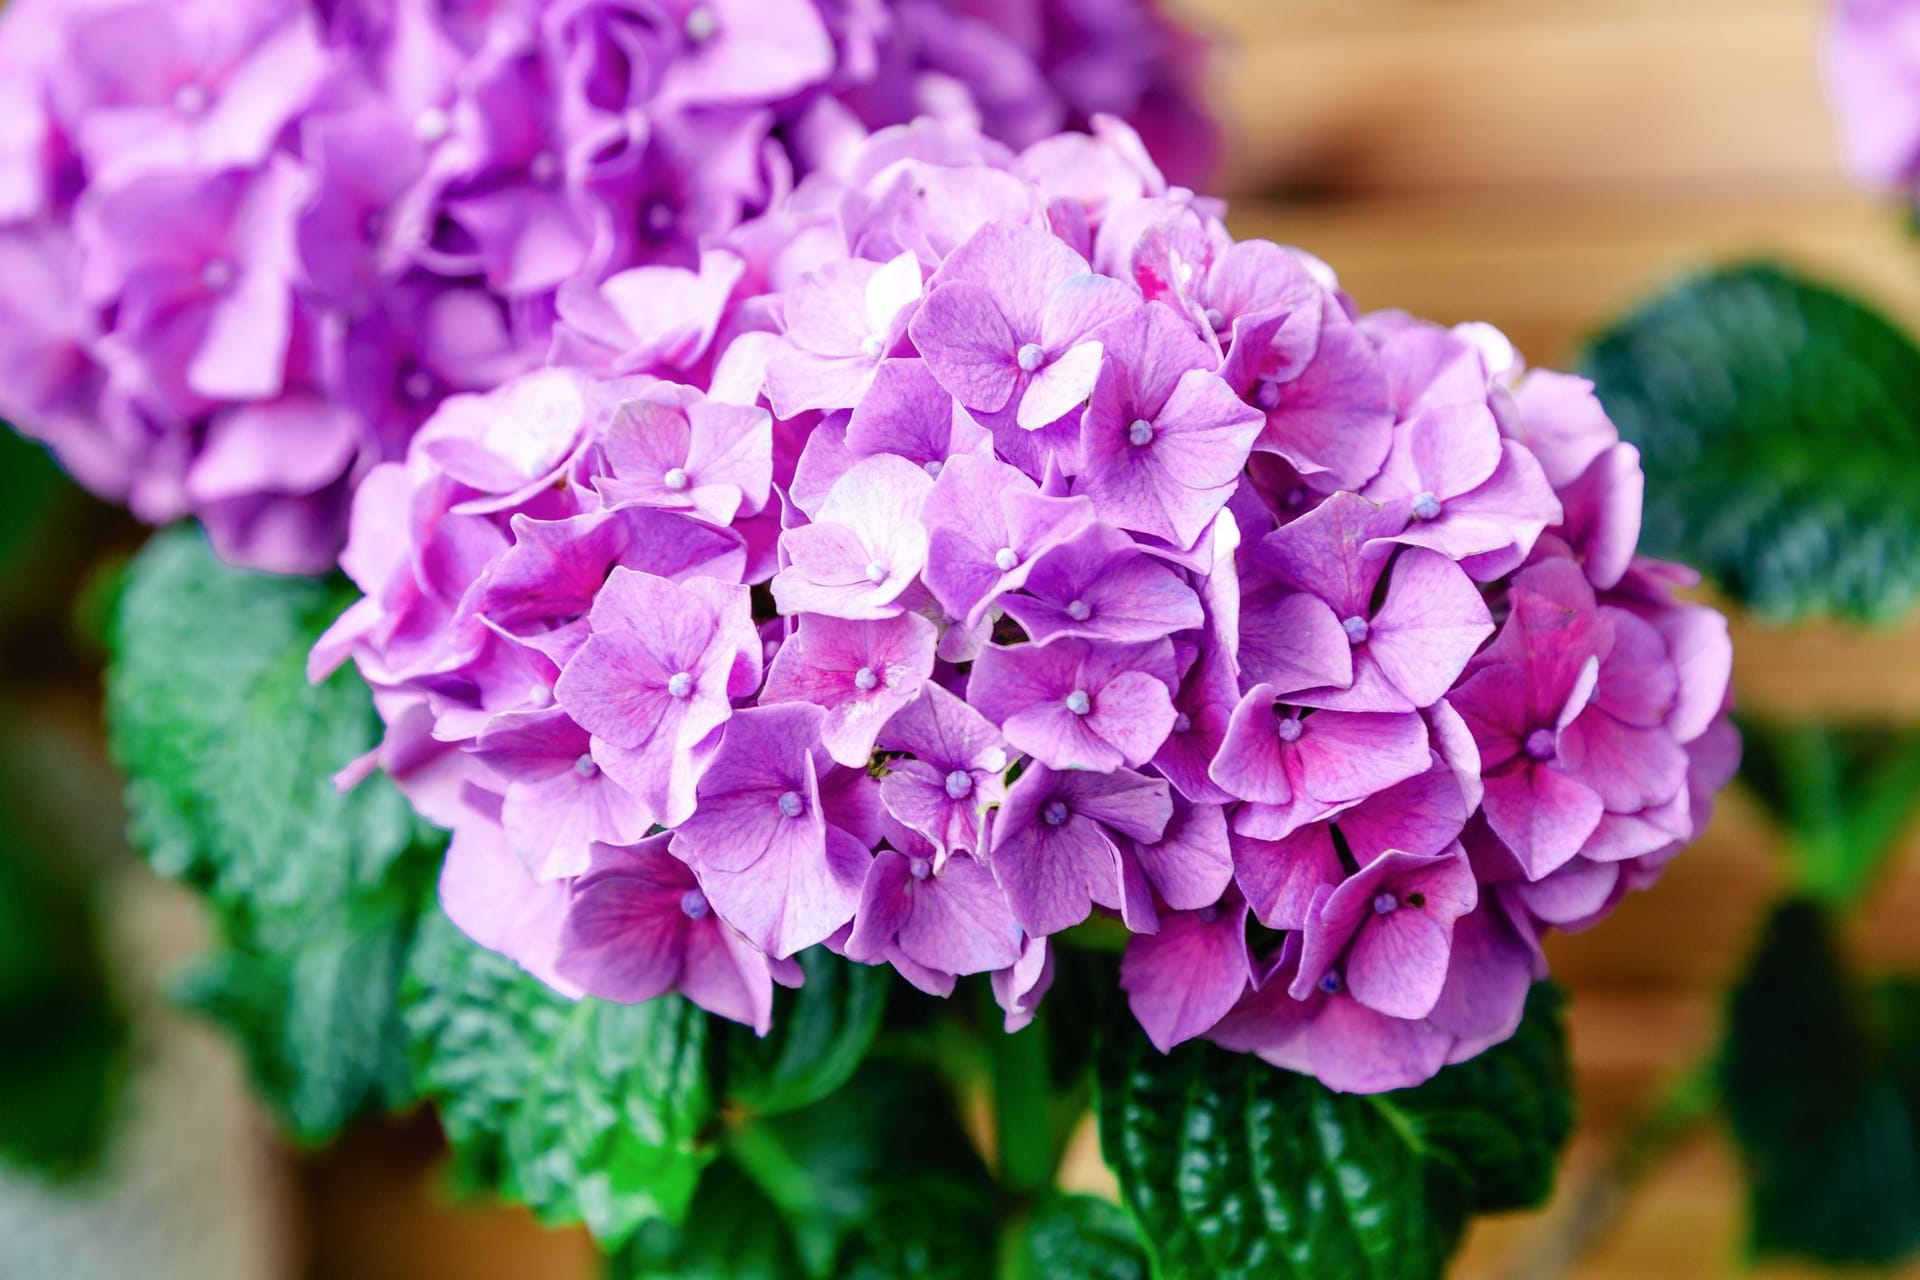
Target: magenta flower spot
{"points": [[950, 467]]}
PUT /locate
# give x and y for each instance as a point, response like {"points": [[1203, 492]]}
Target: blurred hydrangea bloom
{"points": [[1031, 549], [1873, 74], [251, 245]]}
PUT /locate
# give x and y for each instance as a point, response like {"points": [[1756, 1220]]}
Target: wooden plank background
{"points": [[1538, 164]]}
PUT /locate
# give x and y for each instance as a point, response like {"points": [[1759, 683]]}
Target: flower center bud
{"points": [[791, 804], [693, 905], [1140, 433], [1385, 904], [1030, 356], [1356, 629], [1005, 559], [1079, 703], [1079, 610], [1426, 506], [959, 784], [216, 275], [932, 466], [1540, 745], [1182, 722], [1266, 395], [190, 99], [680, 684], [1055, 812], [872, 345], [1216, 319], [1207, 915], [544, 167], [540, 695], [1331, 981], [418, 386], [702, 25], [675, 479], [658, 217], [876, 572], [585, 766], [919, 868], [1290, 729], [431, 125], [865, 679]]}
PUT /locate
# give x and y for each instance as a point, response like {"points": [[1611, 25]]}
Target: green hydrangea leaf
{"points": [[1821, 1100], [876, 1179], [585, 1111], [732, 1232], [229, 754], [1231, 1167], [1502, 1120], [1779, 425], [820, 1034], [1082, 1237]]}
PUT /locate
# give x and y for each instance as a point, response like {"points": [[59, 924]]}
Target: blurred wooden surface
{"points": [[1539, 164]]}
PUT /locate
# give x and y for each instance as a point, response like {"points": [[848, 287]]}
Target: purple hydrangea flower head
{"points": [[1872, 58], [253, 244], [1232, 603]]}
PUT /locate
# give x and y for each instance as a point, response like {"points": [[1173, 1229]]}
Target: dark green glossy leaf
{"points": [[583, 1110], [732, 1232], [229, 754], [850, 1172], [820, 1034], [1814, 1094], [1234, 1168], [1081, 1238], [1779, 425], [1502, 1119]]}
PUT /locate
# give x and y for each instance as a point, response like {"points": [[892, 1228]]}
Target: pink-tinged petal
{"points": [[1294, 642], [1603, 514], [1060, 387], [488, 894], [1190, 866], [1637, 683], [961, 921], [1629, 768], [1252, 761], [1488, 978], [796, 896], [965, 341], [1453, 449], [1422, 815], [1134, 712], [1541, 814], [760, 50], [1324, 552], [1281, 877], [1697, 639], [860, 673], [1018, 988], [1574, 893], [1563, 423], [1347, 755], [626, 932], [244, 353], [1333, 421], [1432, 621], [1079, 305], [1021, 265], [884, 907], [1182, 980], [726, 975]]}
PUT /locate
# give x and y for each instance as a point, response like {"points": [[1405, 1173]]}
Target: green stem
{"points": [[1022, 1122]]}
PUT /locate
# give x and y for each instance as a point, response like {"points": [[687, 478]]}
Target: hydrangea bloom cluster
{"points": [[1873, 74], [1037, 551], [250, 245]]}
